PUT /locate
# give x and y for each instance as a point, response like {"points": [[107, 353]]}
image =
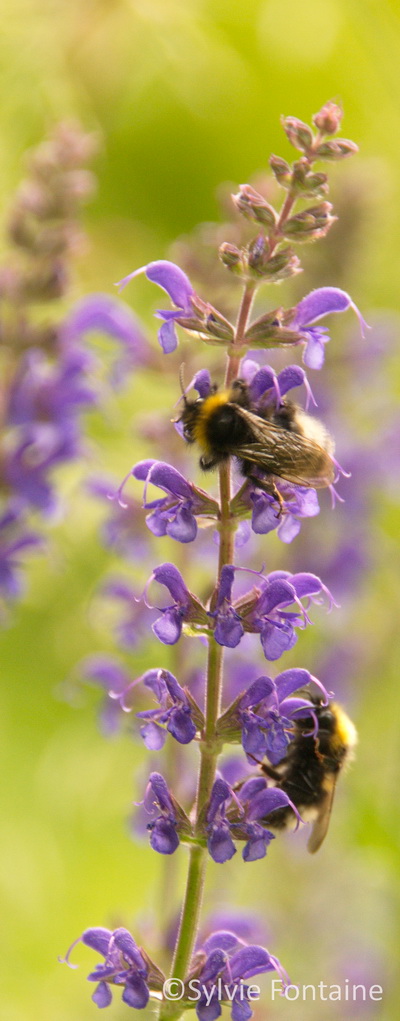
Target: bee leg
{"points": [[269, 487], [207, 462]]}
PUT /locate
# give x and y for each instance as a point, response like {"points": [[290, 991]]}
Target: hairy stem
{"points": [[209, 745]]}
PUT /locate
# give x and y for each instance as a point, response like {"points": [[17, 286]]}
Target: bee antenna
{"points": [[182, 382]]}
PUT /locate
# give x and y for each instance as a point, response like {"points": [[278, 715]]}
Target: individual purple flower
{"points": [[15, 539], [264, 610], [228, 624], [174, 714], [267, 710], [122, 530], [269, 616], [185, 607], [227, 963], [317, 304], [219, 843], [44, 391], [135, 614], [175, 514], [124, 966], [110, 675], [159, 803], [39, 449], [177, 285]]}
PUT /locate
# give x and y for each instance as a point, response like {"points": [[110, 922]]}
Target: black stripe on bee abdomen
{"points": [[226, 430]]}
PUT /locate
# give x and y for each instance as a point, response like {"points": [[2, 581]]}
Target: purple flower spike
{"points": [[158, 802], [319, 303], [229, 962], [123, 966], [177, 285]]}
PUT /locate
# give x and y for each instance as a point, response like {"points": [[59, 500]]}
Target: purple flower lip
{"points": [[174, 281], [317, 304]]}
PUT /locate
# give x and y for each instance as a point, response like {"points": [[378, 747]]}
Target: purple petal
{"points": [[183, 526], [289, 528], [167, 337], [248, 961], [181, 726], [265, 379], [266, 801], [226, 580], [201, 382], [163, 475], [106, 315], [228, 631], [164, 837], [98, 939], [153, 736], [257, 691], [172, 279], [276, 639], [168, 575], [159, 789], [314, 353], [241, 1010], [102, 995], [291, 680], [136, 993], [220, 844], [264, 518], [168, 627], [322, 302]]}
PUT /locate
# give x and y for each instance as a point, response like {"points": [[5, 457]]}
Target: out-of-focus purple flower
{"points": [[185, 606], [159, 803], [267, 710], [123, 966], [175, 514], [174, 714], [177, 285], [39, 449], [264, 610], [228, 963], [99, 313], [136, 615], [315, 306], [50, 392], [15, 538], [110, 675], [123, 530]]}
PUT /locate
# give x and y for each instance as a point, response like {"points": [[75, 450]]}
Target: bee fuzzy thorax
{"points": [[207, 410]]}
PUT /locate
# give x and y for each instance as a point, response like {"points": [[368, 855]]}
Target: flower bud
{"points": [[306, 183], [282, 171], [311, 223], [328, 119], [335, 149], [298, 133], [231, 256], [254, 206]]}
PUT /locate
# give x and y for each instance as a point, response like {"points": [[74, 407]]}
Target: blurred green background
{"points": [[184, 96]]}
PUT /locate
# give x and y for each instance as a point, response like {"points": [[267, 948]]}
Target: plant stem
{"points": [[209, 746]]}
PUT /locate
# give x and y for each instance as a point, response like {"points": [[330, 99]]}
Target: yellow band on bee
{"points": [[210, 404]]}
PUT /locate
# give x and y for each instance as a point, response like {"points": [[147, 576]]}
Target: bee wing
{"points": [[321, 824], [287, 454]]}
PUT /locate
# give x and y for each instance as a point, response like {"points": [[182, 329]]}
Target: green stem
{"points": [[209, 745]]}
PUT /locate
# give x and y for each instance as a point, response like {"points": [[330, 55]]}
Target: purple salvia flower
{"points": [[266, 713], [220, 843], [175, 711], [175, 514], [317, 304], [177, 285], [228, 626], [158, 802], [229, 962], [258, 801], [185, 607], [123, 966], [269, 616]]}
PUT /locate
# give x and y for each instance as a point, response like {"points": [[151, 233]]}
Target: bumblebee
{"points": [[309, 771], [269, 441]]}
